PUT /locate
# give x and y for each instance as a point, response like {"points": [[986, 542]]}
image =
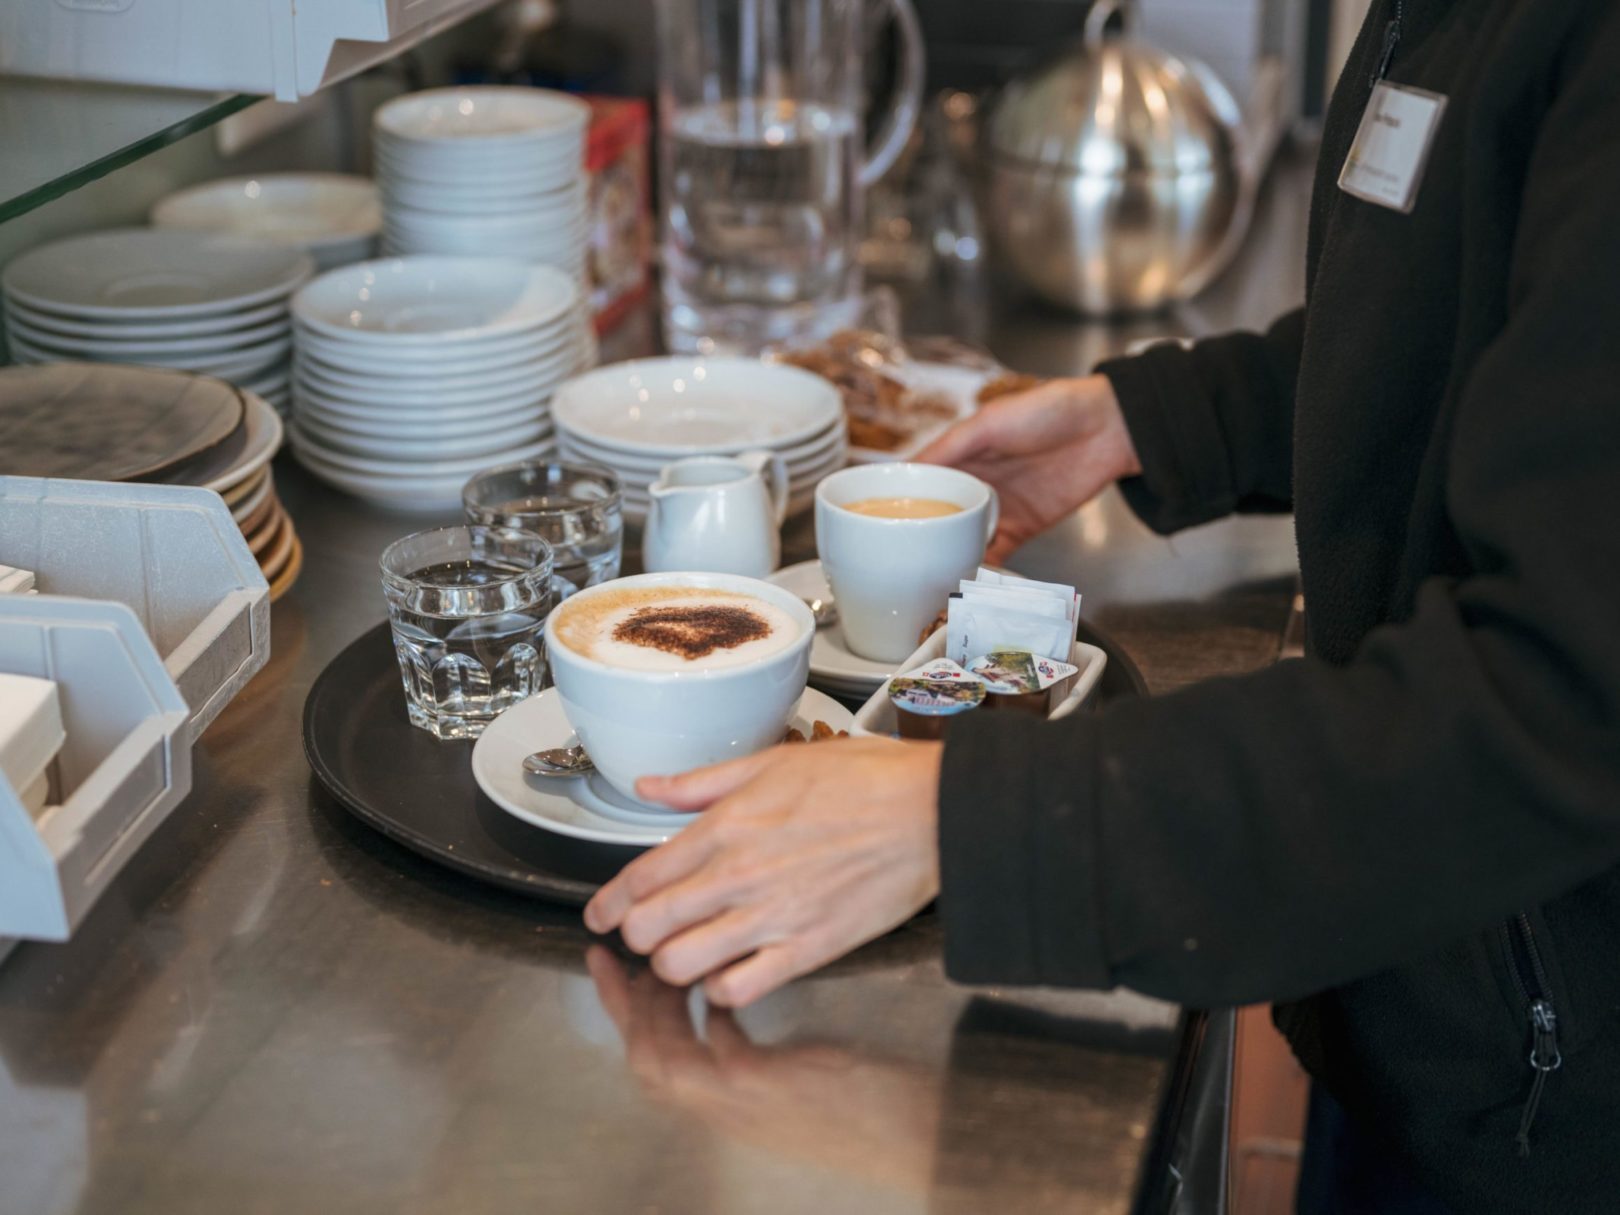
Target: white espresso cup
{"points": [[892, 576], [636, 723]]}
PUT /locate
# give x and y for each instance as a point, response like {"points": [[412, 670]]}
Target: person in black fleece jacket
{"points": [[1414, 834]]}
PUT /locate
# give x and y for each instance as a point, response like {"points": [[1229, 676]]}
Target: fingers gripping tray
{"points": [[125, 764], [171, 554]]}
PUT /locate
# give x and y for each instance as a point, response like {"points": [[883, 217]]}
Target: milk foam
{"points": [[587, 627]]}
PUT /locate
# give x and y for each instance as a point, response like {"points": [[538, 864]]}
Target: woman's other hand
{"points": [[1047, 452]]}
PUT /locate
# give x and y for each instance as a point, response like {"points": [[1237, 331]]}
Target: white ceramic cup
{"points": [[660, 723], [892, 576]]}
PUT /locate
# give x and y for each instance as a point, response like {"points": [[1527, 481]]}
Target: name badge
{"points": [[1386, 162]]}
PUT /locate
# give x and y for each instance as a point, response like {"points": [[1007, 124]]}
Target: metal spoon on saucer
{"points": [[559, 761], [824, 608]]}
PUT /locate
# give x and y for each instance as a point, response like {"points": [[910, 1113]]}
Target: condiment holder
{"points": [[878, 717]]}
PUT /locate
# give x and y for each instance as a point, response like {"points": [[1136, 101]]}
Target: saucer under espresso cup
{"points": [[663, 673], [892, 575]]}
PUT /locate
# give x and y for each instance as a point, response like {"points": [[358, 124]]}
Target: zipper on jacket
{"points": [[1530, 977], [1392, 38]]}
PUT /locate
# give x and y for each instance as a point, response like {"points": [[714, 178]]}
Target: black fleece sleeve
{"points": [[1269, 836], [1213, 425]]}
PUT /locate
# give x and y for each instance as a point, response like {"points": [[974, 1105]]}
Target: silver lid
{"points": [[1110, 105]]}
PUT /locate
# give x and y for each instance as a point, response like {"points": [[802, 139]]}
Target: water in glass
{"points": [[576, 508], [762, 113], [763, 221], [467, 622]]}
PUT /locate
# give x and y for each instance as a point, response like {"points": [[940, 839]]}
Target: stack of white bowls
{"points": [[194, 301], [494, 171], [637, 417], [414, 373]]}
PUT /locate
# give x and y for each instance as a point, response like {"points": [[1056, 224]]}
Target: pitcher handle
{"points": [[902, 119], [772, 470]]}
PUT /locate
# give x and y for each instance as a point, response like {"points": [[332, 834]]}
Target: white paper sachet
{"points": [[1000, 612], [14, 581], [30, 729], [36, 795], [989, 577], [976, 627]]}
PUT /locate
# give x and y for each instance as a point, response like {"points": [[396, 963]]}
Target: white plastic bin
{"points": [[172, 554], [877, 716], [125, 765]]}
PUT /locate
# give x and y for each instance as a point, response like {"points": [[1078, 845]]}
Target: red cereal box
{"points": [[619, 257]]}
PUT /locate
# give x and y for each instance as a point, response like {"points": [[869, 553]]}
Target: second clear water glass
{"points": [[576, 508]]}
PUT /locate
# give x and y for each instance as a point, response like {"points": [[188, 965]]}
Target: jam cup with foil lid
{"points": [[927, 701]]}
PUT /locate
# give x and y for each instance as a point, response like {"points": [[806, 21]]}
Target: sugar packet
{"points": [[1000, 612]]}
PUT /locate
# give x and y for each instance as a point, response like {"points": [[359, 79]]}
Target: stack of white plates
{"points": [[414, 373], [639, 416], [193, 301], [495, 171], [333, 217]]}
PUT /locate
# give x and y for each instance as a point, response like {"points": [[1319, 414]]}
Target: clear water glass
{"points": [[578, 509], [467, 606]]}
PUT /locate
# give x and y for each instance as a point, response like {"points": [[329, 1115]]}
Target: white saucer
{"points": [[494, 351], [331, 216], [311, 450], [586, 808], [434, 301], [813, 453], [498, 118], [416, 388], [151, 274], [832, 666], [136, 348], [118, 330], [420, 449], [666, 408]]}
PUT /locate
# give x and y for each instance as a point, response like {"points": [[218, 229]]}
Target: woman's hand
{"points": [[803, 853], [1047, 452]]}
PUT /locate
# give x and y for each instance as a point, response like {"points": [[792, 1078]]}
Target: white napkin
{"points": [[14, 581], [30, 734]]}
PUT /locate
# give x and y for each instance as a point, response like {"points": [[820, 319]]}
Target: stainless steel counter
{"points": [[276, 1010]]}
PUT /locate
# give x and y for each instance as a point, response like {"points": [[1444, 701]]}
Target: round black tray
{"points": [[420, 791]]}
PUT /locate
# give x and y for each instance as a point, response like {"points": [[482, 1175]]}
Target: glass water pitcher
{"points": [[764, 163]]}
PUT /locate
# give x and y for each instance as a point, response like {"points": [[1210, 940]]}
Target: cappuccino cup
{"points": [[662, 673], [892, 571]]}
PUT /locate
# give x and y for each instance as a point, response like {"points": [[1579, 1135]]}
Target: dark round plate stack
{"points": [[104, 422]]}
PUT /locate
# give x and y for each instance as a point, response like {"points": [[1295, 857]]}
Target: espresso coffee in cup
{"points": [[895, 540], [903, 508], [662, 673]]}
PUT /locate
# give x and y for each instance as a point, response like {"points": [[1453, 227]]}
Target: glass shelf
{"points": [[56, 136]]}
